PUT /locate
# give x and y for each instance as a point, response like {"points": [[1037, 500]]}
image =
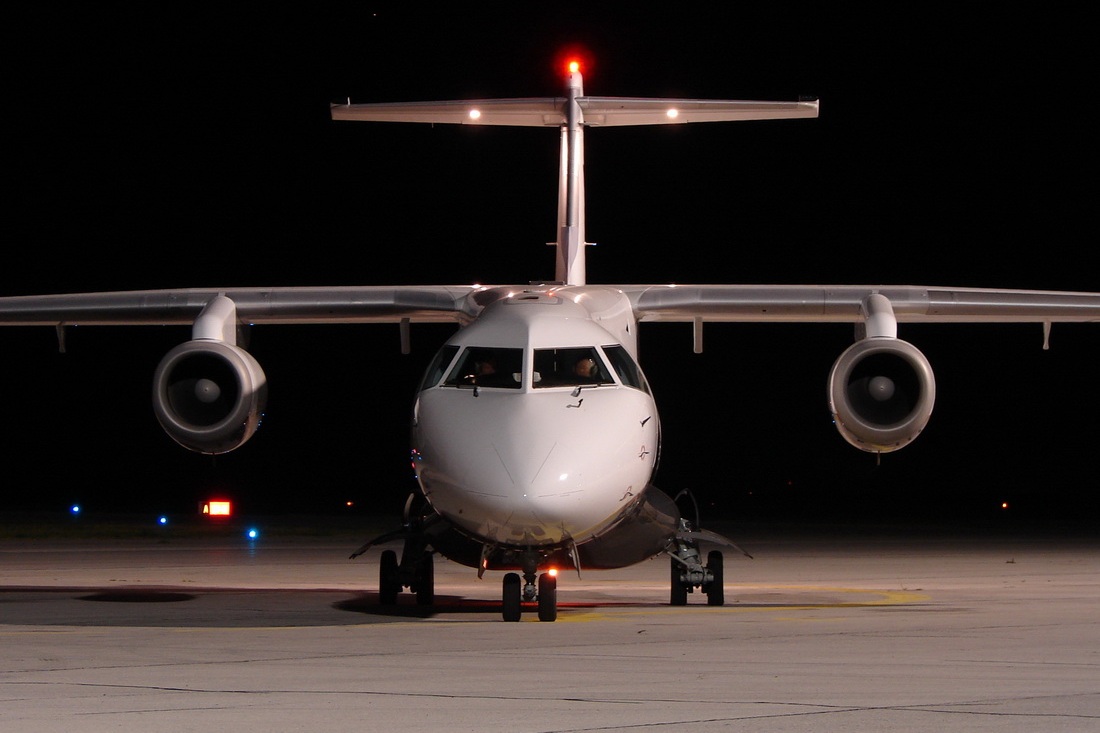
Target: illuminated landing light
{"points": [[252, 534], [475, 114], [552, 572], [672, 113]]}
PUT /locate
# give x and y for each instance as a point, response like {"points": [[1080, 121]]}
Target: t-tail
{"points": [[571, 115]]}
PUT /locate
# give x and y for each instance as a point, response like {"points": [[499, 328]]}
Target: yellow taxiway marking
{"points": [[876, 597]]}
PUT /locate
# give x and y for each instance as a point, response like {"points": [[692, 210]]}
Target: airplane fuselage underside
{"points": [[642, 533]]}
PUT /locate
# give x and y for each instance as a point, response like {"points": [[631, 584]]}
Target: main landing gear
{"points": [[686, 576], [687, 571], [416, 571]]}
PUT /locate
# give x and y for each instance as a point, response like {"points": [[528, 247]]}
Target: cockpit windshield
{"points": [[569, 367], [481, 366], [434, 372], [626, 367]]}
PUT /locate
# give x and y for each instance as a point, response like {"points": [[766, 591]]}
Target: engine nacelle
{"points": [[209, 395], [881, 393]]}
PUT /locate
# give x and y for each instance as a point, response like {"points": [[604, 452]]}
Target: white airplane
{"points": [[535, 436]]}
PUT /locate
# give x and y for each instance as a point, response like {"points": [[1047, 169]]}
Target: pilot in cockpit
{"points": [[585, 369], [485, 368]]}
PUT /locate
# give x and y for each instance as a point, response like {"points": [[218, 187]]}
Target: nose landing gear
{"points": [[545, 592]]}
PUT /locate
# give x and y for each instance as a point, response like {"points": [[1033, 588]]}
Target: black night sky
{"points": [[180, 145]]}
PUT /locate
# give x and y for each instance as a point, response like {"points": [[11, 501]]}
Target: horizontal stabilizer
{"points": [[595, 111], [621, 111]]}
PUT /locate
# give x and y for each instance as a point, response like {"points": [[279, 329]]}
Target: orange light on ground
{"points": [[217, 508]]}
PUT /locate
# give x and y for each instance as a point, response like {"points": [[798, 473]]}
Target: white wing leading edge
{"points": [[461, 303], [287, 305], [842, 303]]}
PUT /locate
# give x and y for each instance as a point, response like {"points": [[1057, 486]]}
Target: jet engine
{"points": [[881, 392], [209, 395]]}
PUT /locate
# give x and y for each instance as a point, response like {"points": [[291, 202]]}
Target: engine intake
{"points": [[881, 393], [209, 396]]}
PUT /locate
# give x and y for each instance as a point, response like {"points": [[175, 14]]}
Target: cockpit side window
{"points": [[481, 366], [569, 367], [628, 370], [435, 370]]}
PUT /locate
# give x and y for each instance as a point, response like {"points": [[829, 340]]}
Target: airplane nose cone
{"points": [[544, 464]]}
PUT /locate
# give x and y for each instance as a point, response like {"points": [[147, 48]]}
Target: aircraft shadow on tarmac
{"points": [[259, 608], [368, 603]]}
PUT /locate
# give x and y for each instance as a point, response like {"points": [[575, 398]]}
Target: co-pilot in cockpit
{"points": [[569, 367], [482, 366]]}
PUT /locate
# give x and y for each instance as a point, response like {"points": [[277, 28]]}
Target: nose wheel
{"points": [[548, 597], [543, 589]]}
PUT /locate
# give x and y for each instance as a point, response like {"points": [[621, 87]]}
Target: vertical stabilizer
{"points": [[569, 261]]}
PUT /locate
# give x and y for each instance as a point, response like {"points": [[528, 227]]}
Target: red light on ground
{"points": [[552, 572], [574, 66], [1004, 505], [217, 508]]}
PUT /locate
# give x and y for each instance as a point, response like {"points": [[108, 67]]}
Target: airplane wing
{"points": [[287, 305], [842, 303], [877, 309], [459, 304]]}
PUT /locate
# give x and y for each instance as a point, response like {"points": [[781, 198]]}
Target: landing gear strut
{"points": [[533, 587], [416, 571], [688, 572]]}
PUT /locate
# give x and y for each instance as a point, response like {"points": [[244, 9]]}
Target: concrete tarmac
{"points": [[877, 630]]}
